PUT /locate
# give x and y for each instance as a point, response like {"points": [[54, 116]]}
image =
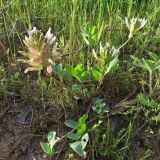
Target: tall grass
{"points": [[68, 17]]}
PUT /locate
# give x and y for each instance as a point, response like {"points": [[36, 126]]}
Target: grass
{"points": [[68, 19]]}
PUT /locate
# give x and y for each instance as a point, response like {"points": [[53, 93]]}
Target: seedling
{"points": [[48, 147], [99, 106], [80, 128]]}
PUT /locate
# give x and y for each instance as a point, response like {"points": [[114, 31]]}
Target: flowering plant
{"points": [[40, 51], [134, 25]]}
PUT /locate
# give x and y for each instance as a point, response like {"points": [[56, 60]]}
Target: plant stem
{"points": [[102, 77], [64, 136], [150, 82], [5, 52], [60, 84], [124, 44]]}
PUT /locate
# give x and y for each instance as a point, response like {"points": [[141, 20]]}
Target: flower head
{"points": [[107, 56], [49, 36], [134, 25], [39, 50], [105, 52]]}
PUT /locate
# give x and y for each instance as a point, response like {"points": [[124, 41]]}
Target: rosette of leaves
{"points": [[99, 106], [40, 50]]}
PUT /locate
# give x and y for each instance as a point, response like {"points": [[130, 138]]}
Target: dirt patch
{"points": [[23, 124]]}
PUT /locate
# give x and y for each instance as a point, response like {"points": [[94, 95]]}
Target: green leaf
{"points": [[58, 69], [81, 127], [105, 110], [100, 31], [153, 55], [93, 39], [84, 140], [100, 67], [93, 30], [66, 75], [99, 105], [76, 88], [144, 63], [138, 62], [143, 100], [71, 123], [83, 119], [96, 74], [79, 69], [79, 146], [73, 136], [47, 148], [86, 40], [80, 74], [70, 69], [111, 64], [147, 64], [51, 135], [84, 76], [52, 139]]}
